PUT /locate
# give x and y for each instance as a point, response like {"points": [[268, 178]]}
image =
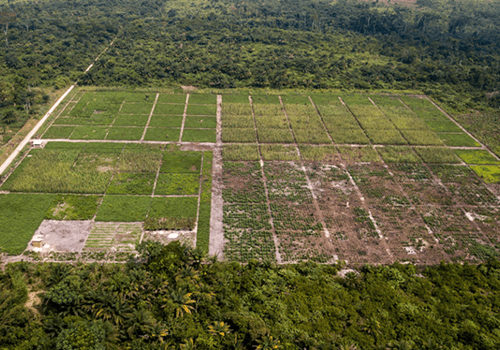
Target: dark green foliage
{"points": [[123, 208], [70, 207], [181, 162], [199, 135]]}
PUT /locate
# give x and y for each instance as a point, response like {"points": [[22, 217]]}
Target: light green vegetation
{"points": [[270, 135], [125, 133], [318, 153], [131, 183], [443, 126], [201, 109], [137, 108], [458, 140], [199, 135], [358, 154], [20, 216], [162, 134], [123, 208], [200, 122], [131, 120], [238, 135], [166, 121], [279, 152], [58, 132], [398, 154], [71, 207], [122, 237], [171, 98], [488, 173], [181, 162], [168, 109], [173, 207], [203, 233], [177, 184], [202, 99], [482, 156], [437, 155], [237, 152], [89, 133]]}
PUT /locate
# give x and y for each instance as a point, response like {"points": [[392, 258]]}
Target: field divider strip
{"points": [[157, 175], [184, 117], [200, 183], [216, 236], [150, 116], [277, 253], [322, 121], [218, 117], [33, 131], [319, 213]]}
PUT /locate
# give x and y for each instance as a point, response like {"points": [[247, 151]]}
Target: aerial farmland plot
{"points": [[321, 177]]}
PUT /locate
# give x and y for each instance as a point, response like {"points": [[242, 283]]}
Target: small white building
{"points": [[36, 143]]}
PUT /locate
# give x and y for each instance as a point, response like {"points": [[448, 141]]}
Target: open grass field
{"points": [[321, 177]]}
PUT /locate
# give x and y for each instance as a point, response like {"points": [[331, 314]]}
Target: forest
{"points": [[172, 297]]}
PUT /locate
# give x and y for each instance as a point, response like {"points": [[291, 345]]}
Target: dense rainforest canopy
{"points": [[171, 298]]}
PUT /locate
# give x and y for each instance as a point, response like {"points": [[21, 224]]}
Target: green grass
{"points": [[171, 98], [162, 134], [201, 109], [358, 154], [458, 140], [398, 154], [181, 162], [238, 135], [479, 156], [92, 161], [168, 109], [275, 135], [202, 99], [311, 136], [279, 152], [133, 161], [131, 183], [421, 137], [199, 135], [325, 99], [489, 173], [177, 184], [317, 153], [201, 122], [235, 99], [437, 155], [272, 121], [123, 208], [203, 232], [137, 108], [386, 137], [52, 172], [237, 152], [296, 99], [166, 121], [58, 132], [20, 216], [237, 121], [173, 207], [131, 120], [349, 136], [71, 207], [104, 147], [443, 126], [137, 97], [235, 109], [265, 99], [60, 146], [125, 133], [89, 133]]}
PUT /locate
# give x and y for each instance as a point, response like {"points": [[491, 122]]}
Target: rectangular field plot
{"points": [[174, 213], [125, 133], [239, 135], [172, 98], [120, 236], [89, 133], [58, 132], [458, 140], [123, 208], [171, 121], [200, 122], [131, 120], [168, 109], [480, 157], [162, 134], [199, 135], [201, 109], [181, 162], [71, 207], [237, 152], [177, 184], [131, 183]]}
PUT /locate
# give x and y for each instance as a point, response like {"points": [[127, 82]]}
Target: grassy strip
{"points": [[203, 234]]}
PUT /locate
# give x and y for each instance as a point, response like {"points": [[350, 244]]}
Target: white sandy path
{"points": [[28, 137]]}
